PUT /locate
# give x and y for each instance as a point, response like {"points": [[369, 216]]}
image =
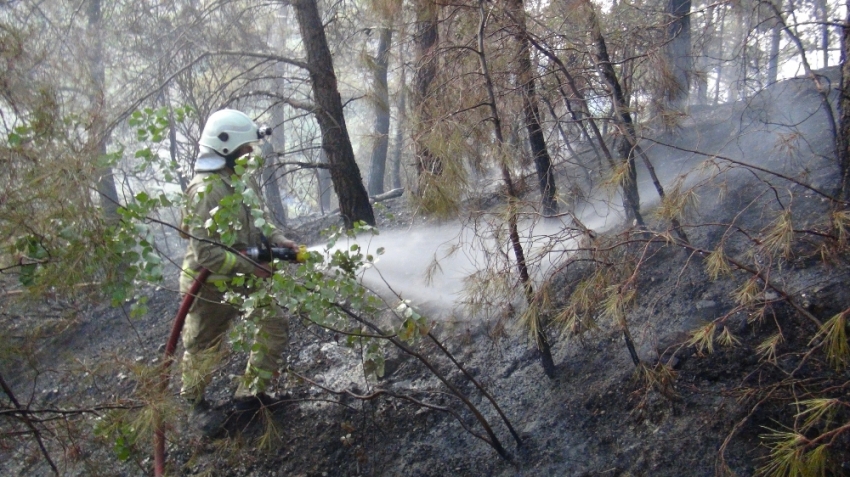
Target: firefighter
{"points": [[227, 136]]}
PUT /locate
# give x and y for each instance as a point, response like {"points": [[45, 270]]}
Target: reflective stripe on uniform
{"points": [[229, 263]]}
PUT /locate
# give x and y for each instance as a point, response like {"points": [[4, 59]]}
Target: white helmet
{"points": [[226, 130]]}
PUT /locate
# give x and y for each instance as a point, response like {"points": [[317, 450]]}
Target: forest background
{"points": [[563, 147]]}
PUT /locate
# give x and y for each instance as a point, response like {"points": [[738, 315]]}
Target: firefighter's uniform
{"points": [[210, 317]]}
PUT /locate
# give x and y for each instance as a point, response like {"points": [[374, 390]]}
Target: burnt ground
{"points": [[597, 417]]}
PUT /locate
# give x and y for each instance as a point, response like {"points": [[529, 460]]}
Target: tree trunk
{"points": [[279, 177], [270, 187], [172, 149], [844, 111], [378, 163], [542, 341], [622, 118], [823, 20], [773, 58], [400, 124], [719, 54], [537, 141], [324, 185], [426, 38], [106, 180], [348, 183], [678, 53]]}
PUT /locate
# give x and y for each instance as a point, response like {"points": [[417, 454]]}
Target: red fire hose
{"points": [[258, 254], [170, 346]]}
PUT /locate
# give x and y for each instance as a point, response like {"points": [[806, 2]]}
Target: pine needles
{"points": [[833, 336]]}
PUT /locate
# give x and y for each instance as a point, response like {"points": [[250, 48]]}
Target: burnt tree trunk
{"points": [[348, 183], [536, 139], [546, 360], [622, 117]]}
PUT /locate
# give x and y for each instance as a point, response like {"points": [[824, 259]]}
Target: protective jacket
{"points": [[205, 193]]}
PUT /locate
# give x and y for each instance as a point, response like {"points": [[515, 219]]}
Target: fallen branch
{"points": [[380, 392], [493, 440]]}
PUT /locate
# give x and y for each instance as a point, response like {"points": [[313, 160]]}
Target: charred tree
{"points": [[536, 139], [628, 143], [378, 163], [622, 117], [513, 230], [348, 183]]}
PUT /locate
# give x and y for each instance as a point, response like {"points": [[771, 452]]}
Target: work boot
{"points": [[207, 419]]}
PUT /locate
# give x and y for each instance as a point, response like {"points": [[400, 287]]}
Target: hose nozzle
{"points": [[262, 254]]}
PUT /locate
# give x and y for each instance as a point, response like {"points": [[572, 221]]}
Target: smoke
{"points": [[429, 265]]}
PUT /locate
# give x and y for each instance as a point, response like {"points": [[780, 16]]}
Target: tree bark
{"points": [[378, 164], [324, 185], [426, 38], [702, 62], [348, 183], [773, 58], [536, 139], [281, 179], [719, 54], [823, 19]]}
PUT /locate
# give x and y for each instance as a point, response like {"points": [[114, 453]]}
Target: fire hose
{"points": [[257, 254]]}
